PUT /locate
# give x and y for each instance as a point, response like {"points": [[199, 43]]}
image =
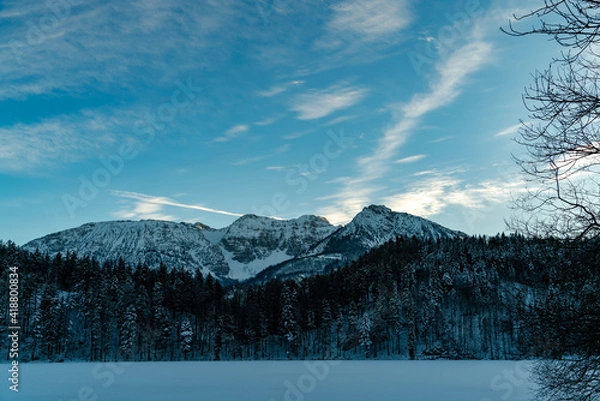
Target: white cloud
{"points": [[368, 20], [410, 159], [249, 160], [452, 75], [361, 32], [442, 139], [343, 210], [102, 45], [339, 120], [278, 89], [434, 195], [232, 133], [453, 71], [320, 103], [299, 134], [145, 211], [277, 151], [151, 207], [508, 130], [266, 121], [65, 139]]}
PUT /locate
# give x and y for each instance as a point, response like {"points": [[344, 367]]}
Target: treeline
{"points": [[462, 298]]}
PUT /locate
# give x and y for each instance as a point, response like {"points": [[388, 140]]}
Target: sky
{"points": [[206, 110]]}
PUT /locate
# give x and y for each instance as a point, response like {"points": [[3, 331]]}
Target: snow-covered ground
{"points": [[243, 271], [273, 381]]}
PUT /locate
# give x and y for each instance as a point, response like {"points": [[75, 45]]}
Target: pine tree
{"points": [[37, 336], [364, 332], [187, 336], [162, 321], [50, 329], [128, 333], [289, 320]]}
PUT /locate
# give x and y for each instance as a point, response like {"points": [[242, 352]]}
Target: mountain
{"points": [[252, 243], [462, 298], [376, 225], [147, 241], [372, 227], [237, 252], [251, 247]]}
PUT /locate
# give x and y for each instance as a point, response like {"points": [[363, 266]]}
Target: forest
{"points": [[467, 298]]}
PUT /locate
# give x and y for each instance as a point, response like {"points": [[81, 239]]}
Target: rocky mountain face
{"points": [[251, 247], [150, 242], [372, 227]]}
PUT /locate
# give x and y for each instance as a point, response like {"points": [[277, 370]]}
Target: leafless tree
{"points": [[562, 164], [562, 142]]}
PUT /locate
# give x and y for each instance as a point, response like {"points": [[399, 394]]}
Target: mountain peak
{"points": [[379, 209], [202, 226], [377, 224]]}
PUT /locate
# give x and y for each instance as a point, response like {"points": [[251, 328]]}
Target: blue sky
{"points": [[207, 110]]}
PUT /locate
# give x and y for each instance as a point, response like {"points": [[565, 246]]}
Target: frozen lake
{"points": [[273, 381]]}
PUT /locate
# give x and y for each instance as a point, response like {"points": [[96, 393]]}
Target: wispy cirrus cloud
{"points": [[266, 121], [278, 89], [56, 141], [366, 21], [410, 159], [233, 132], [453, 71], [94, 44], [321, 103], [152, 207], [508, 130], [277, 151], [513, 129]]}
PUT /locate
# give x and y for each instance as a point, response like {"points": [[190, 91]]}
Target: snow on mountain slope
{"points": [[148, 241], [252, 243], [238, 252], [372, 227], [244, 271], [213, 235]]}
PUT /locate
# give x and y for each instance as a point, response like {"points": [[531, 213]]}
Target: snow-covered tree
{"points": [[128, 333], [364, 331], [289, 321], [187, 336]]}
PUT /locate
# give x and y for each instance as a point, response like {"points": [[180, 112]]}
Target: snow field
{"points": [[274, 381]]}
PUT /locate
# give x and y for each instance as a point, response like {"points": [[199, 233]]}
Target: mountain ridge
{"points": [[247, 247]]}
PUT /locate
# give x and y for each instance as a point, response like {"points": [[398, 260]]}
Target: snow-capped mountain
{"points": [[372, 227], [247, 246], [148, 241], [252, 243], [252, 246]]}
